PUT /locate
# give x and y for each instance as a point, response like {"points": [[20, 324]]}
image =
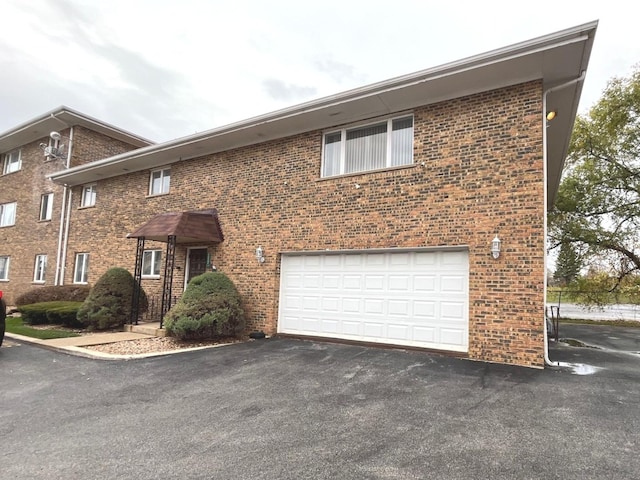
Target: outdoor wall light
{"points": [[551, 114], [260, 255], [495, 247]]}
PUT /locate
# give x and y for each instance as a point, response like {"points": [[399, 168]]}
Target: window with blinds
{"points": [[385, 144]]}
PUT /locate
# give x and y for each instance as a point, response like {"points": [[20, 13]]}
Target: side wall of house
{"points": [[477, 172], [30, 236]]}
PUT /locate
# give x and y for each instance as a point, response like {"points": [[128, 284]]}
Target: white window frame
{"points": [[165, 173], [8, 216], [10, 163], [46, 206], [155, 257], [40, 269], [5, 260], [81, 269], [90, 191], [389, 144]]}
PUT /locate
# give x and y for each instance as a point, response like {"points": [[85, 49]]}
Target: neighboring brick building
{"points": [[31, 213], [369, 215]]}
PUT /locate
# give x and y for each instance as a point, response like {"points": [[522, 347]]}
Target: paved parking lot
{"points": [[291, 409]]}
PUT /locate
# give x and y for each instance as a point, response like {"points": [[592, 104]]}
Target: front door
{"points": [[197, 262]]}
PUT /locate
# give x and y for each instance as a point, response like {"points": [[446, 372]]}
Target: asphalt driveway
{"points": [[289, 409]]}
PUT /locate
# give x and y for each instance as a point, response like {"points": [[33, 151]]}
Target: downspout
{"points": [[547, 361], [64, 222]]}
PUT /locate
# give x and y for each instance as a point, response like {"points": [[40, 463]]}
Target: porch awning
{"points": [[198, 226]]}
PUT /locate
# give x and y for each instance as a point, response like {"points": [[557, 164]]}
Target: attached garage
{"points": [[416, 298]]}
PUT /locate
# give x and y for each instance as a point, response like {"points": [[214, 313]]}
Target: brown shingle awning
{"points": [[199, 226]]}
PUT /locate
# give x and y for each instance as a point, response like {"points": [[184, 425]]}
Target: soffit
{"points": [[60, 119]]}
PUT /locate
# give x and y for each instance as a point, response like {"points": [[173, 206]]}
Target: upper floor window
{"points": [[151, 260], [384, 144], [81, 269], [4, 267], [88, 195], [12, 162], [7, 214], [46, 206], [160, 181], [40, 268]]}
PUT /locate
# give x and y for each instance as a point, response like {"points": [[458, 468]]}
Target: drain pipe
{"points": [[547, 361], [61, 257]]}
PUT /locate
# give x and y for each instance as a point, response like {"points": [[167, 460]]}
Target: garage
{"points": [[416, 298]]}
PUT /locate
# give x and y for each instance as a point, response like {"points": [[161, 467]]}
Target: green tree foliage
{"points": [[568, 265], [598, 204], [209, 308], [109, 302]]}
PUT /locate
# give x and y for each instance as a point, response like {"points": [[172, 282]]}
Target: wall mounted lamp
{"points": [[260, 255], [495, 247], [551, 114]]}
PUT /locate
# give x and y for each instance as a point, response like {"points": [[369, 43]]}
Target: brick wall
{"points": [[89, 146], [29, 236], [478, 172]]}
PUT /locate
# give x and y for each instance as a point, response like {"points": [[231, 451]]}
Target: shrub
{"points": [[54, 313], [109, 302], [52, 293], [209, 308]]}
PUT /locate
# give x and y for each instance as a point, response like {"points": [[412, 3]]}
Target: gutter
{"points": [[547, 361]]}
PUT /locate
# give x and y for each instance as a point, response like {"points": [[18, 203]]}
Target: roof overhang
{"points": [[554, 59], [60, 119], [188, 227]]}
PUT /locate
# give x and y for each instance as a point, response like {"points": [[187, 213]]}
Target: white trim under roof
{"points": [[553, 59], [60, 119]]}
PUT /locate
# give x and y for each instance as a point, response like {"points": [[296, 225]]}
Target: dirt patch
{"points": [[155, 345]]}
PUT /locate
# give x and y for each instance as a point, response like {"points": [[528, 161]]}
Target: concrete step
{"points": [[151, 328]]}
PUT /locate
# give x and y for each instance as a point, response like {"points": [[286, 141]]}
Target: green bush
{"points": [[109, 302], [52, 293], [51, 313], [209, 308]]}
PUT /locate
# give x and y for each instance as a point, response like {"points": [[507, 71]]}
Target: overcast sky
{"points": [[166, 69]]}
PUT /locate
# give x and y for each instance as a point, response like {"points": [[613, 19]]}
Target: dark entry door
{"points": [[197, 262]]}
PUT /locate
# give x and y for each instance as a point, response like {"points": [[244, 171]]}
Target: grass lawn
{"points": [[15, 325], [612, 323]]}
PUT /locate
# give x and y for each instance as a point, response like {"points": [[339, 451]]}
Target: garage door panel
{"points": [[399, 307], [407, 298], [373, 330], [424, 334], [398, 332], [352, 282], [400, 283], [351, 305], [374, 282], [374, 306], [331, 281], [451, 336], [424, 283]]}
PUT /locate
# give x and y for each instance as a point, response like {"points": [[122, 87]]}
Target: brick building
{"points": [[409, 212], [32, 217]]}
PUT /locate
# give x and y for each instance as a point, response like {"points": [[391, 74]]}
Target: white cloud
{"points": [[164, 69]]}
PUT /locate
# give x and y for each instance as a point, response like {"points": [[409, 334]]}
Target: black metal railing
{"points": [[154, 312]]}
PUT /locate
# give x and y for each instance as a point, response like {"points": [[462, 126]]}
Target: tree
{"points": [[598, 204], [568, 265]]}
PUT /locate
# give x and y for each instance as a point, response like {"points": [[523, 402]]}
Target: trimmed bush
{"points": [[52, 293], [109, 302], [51, 313], [209, 308]]}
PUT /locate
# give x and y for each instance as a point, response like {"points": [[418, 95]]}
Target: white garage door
{"points": [[413, 298]]}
